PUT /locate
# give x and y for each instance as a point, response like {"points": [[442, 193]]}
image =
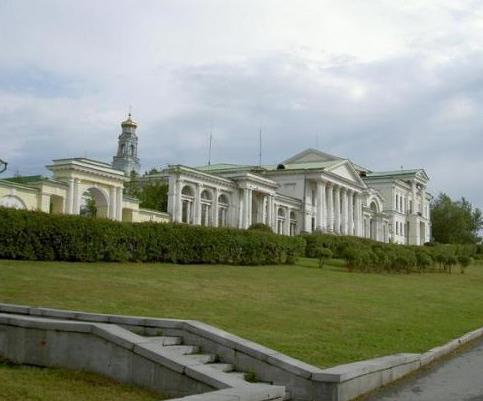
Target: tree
{"points": [[455, 222], [89, 208], [151, 195], [154, 196]]}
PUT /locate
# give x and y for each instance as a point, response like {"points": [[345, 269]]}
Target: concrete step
{"points": [[223, 367], [183, 349], [204, 358], [237, 375], [166, 340]]}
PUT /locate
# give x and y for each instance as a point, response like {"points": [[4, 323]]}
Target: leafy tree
{"points": [[455, 222], [154, 196], [324, 254], [151, 195], [464, 262], [89, 209]]}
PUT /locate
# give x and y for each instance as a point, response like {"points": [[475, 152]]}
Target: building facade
{"points": [[312, 191]]}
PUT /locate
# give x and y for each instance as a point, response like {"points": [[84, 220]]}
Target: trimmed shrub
{"points": [[39, 236], [323, 254], [261, 227], [464, 261], [367, 255]]}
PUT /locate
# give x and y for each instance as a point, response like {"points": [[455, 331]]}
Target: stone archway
{"points": [[103, 184], [94, 203], [12, 201]]}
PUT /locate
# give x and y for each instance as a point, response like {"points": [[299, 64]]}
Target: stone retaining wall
{"points": [[303, 382]]}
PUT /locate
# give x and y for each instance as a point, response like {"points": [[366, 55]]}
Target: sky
{"points": [[386, 84]]}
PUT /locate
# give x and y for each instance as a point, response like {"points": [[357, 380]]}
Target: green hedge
{"points": [[368, 255], [39, 236]]}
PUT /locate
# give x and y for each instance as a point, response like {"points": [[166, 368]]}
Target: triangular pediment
{"points": [[345, 170], [421, 174], [310, 155]]}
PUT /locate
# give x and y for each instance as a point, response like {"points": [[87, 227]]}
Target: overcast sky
{"points": [[385, 83]]}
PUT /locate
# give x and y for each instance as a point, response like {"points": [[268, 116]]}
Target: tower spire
{"points": [[126, 158]]}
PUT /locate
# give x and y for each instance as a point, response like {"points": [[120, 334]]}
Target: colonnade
{"points": [[338, 209], [263, 207], [203, 205], [109, 198]]}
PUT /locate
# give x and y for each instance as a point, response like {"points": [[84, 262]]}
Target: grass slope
{"points": [[324, 317], [22, 383]]}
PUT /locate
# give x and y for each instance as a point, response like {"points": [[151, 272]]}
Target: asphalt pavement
{"points": [[457, 379]]}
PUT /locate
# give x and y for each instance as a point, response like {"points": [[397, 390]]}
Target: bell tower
{"points": [[126, 158]]}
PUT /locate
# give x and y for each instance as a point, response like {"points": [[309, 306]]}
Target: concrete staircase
{"points": [[175, 346]]}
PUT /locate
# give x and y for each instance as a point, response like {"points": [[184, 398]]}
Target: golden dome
{"points": [[129, 122]]}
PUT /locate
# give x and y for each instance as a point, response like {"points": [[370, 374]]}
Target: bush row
{"points": [[39, 236], [368, 255]]}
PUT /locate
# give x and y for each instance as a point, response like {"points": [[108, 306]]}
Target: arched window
{"points": [[187, 199], [187, 190], [223, 204], [281, 217], [122, 151], [373, 207], [132, 150], [206, 207], [293, 223]]}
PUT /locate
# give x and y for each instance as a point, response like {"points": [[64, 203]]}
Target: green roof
{"points": [[224, 167], [26, 179], [392, 173]]}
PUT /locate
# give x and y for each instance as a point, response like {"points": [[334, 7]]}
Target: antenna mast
{"points": [[260, 147], [209, 148]]}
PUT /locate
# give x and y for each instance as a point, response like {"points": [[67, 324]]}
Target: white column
{"points": [[197, 205], [270, 212], [337, 209], [286, 227], [76, 197], [172, 198], [350, 221], [119, 203], [307, 208], [214, 218], [358, 215], [241, 207], [178, 200], [112, 203], [344, 212], [330, 208], [321, 206], [246, 209], [69, 200]]}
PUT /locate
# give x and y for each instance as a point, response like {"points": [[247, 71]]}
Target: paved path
{"points": [[458, 379]]}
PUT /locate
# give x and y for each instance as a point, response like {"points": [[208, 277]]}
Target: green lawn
{"points": [[324, 317], [22, 383]]}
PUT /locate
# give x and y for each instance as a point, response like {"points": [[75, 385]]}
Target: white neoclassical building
{"points": [[311, 191]]}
